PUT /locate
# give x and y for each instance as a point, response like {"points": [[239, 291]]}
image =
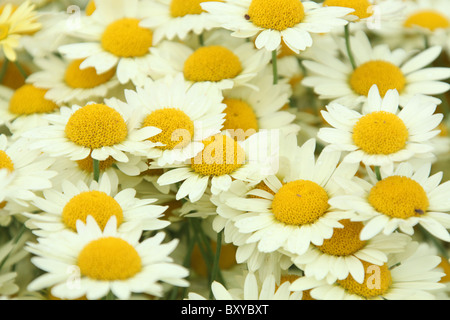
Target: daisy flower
{"points": [[178, 19], [93, 263], [62, 210], [28, 171], [24, 108], [252, 289], [335, 79], [114, 38], [400, 200], [290, 211], [226, 63], [185, 114], [98, 131], [249, 110], [411, 275], [271, 21], [382, 134], [222, 160], [343, 254], [66, 82], [14, 22]]}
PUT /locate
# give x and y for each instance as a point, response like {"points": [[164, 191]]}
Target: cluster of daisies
{"points": [[224, 149]]}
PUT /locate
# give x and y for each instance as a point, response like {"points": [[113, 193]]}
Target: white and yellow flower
{"points": [[93, 263], [402, 199], [97, 130], [185, 114], [382, 134], [335, 79], [177, 19], [289, 212], [114, 38], [222, 160], [271, 21], [226, 63], [67, 83], [409, 275], [61, 210]]}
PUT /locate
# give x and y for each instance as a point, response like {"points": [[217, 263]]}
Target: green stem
{"points": [[216, 266], [275, 66], [16, 240], [378, 173], [96, 164], [426, 41], [348, 45], [21, 69], [3, 70], [201, 39]]}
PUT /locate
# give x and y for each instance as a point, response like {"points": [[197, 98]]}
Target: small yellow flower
{"points": [[14, 22]]}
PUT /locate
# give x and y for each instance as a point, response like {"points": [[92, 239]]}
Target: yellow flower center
{"points": [[90, 8], [86, 78], [377, 281], [429, 19], [213, 63], [380, 133], [4, 31], [345, 241], [125, 38], [399, 197], [385, 75], [177, 128], [97, 204], [88, 165], [276, 14], [6, 162], [13, 77], [300, 202], [109, 259], [362, 7], [29, 100], [95, 126], [239, 115], [222, 155], [181, 8]]}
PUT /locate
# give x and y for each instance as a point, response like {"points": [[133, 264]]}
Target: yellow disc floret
{"points": [[109, 259], [6, 162], [95, 126], [222, 155], [239, 115], [428, 19], [377, 281], [97, 204], [85, 78], [276, 14], [363, 8], [345, 241], [177, 128], [181, 8], [30, 100], [212, 63], [399, 197], [380, 133], [385, 75], [300, 202], [125, 38]]}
